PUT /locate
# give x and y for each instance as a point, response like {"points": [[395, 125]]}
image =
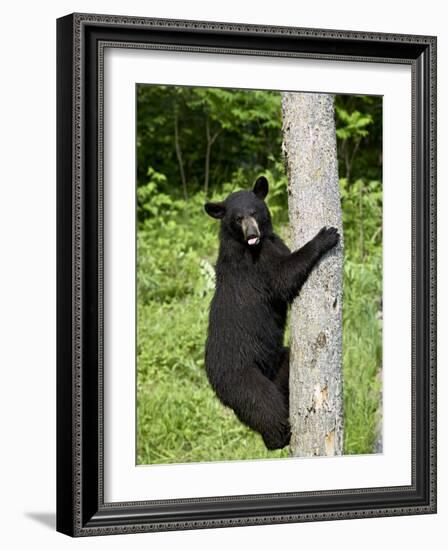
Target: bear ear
{"points": [[261, 187], [215, 209]]}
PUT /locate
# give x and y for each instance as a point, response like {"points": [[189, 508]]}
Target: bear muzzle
{"points": [[251, 231]]}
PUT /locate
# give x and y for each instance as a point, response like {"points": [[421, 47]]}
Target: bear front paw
{"points": [[327, 238]]}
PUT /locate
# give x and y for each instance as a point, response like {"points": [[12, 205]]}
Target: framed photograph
{"points": [[246, 274]]}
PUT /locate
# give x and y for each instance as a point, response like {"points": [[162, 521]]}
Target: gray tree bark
{"points": [[316, 400]]}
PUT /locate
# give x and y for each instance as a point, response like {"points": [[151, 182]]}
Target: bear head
{"points": [[244, 215]]}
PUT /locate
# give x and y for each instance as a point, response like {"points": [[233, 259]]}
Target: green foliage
{"points": [[175, 244], [243, 130], [362, 343], [359, 129], [362, 313], [179, 419], [362, 217], [362, 353], [353, 125], [151, 202]]}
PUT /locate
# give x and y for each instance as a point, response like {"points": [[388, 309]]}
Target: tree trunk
{"points": [[179, 155], [208, 151], [316, 400]]}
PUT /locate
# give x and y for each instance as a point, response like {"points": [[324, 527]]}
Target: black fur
{"points": [[246, 362]]}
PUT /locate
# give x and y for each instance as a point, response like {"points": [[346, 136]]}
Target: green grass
{"points": [[179, 418], [362, 356]]}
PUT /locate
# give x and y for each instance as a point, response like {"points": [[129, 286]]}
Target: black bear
{"points": [[257, 276]]}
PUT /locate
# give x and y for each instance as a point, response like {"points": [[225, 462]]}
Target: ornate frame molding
{"points": [[81, 42]]}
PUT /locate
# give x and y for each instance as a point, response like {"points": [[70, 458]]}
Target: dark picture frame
{"points": [[81, 509]]}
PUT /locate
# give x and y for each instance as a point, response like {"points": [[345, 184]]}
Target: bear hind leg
{"points": [[281, 379], [261, 405]]}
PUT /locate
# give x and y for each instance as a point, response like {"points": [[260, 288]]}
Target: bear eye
{"points": [[239, 219], [252, 213]]}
